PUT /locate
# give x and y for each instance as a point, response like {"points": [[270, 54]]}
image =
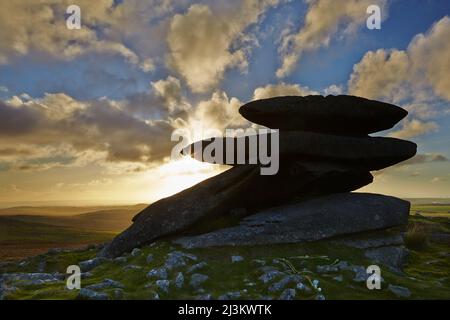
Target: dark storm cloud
{"points": [[100, 126], [17, 121]]}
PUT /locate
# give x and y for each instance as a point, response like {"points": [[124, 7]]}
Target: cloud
{"points": [[170, 92], [430, 54], [130, 134], [380, 74], [219, 113], [413, 128], [203, 44], [17, 121], [395, 75], [439, 179], [39, 27], [415, 78], [324, 19], [333, 90], [59, 130], [281, 89], [425, 158]]}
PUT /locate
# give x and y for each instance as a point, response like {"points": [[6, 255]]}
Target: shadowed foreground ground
{"points": [[335, 269]]}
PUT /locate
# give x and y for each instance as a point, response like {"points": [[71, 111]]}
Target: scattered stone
{"points": [[131, 267], [339, 278], [280, 285], [23, 263], [136, 252], [179, 280], [196, 267], [91, 295], [154, 296], [302, 287], [118, 294], [206, 296], [342, 265], [270, 275], [288, 294], [107, 283], [120, 260], [5, 289], [360, 273], [150, 258], [32, 278], [197, 280], [235, 259], [163, 285], [232, 295], [259, 262], [190, 256], [88, 265], [160, 273], [327, 268], [400, 292], [175, 260], [320, 297]]}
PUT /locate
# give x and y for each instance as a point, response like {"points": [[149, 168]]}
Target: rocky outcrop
{"points": [[324, 153], [310, 220]]}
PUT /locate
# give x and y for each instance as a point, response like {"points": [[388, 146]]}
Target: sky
{"points": [[86, 115]]}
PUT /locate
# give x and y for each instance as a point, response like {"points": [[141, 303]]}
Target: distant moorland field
{"points": [[28, 231]]}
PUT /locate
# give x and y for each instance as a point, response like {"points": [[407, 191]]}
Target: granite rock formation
{"points": [[324, 153]]}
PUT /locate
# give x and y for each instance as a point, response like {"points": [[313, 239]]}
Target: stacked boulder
{"points": [[324, 153]]}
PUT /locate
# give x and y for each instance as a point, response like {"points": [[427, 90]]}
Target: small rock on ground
{"points": [[235, 259], [92, 295], [136, 252], [179, 280], [197, 280], [288, 294], [196, 267], [400, 292], [163, 285]]}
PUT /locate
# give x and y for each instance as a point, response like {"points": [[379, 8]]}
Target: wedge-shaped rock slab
{"points": [[342, 114], [241, 189], [320, 218]]}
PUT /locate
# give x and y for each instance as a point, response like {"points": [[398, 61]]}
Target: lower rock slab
{"points": [[316, 219]]}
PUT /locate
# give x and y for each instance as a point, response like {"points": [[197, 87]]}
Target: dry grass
{"points": [[417, 235]]}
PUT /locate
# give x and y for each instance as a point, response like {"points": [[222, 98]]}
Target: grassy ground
{"points": [[20, 239], [426, 274]]}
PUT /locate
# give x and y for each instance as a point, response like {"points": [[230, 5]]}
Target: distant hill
{"points": [[63, 210], [19, 239], [429, 201], [111, 219]]}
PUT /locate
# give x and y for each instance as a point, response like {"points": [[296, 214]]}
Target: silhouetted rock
{"points": [[310, 220], [178, 212], [366, 153], [323, 149], [219, 195], [346, 115]]}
